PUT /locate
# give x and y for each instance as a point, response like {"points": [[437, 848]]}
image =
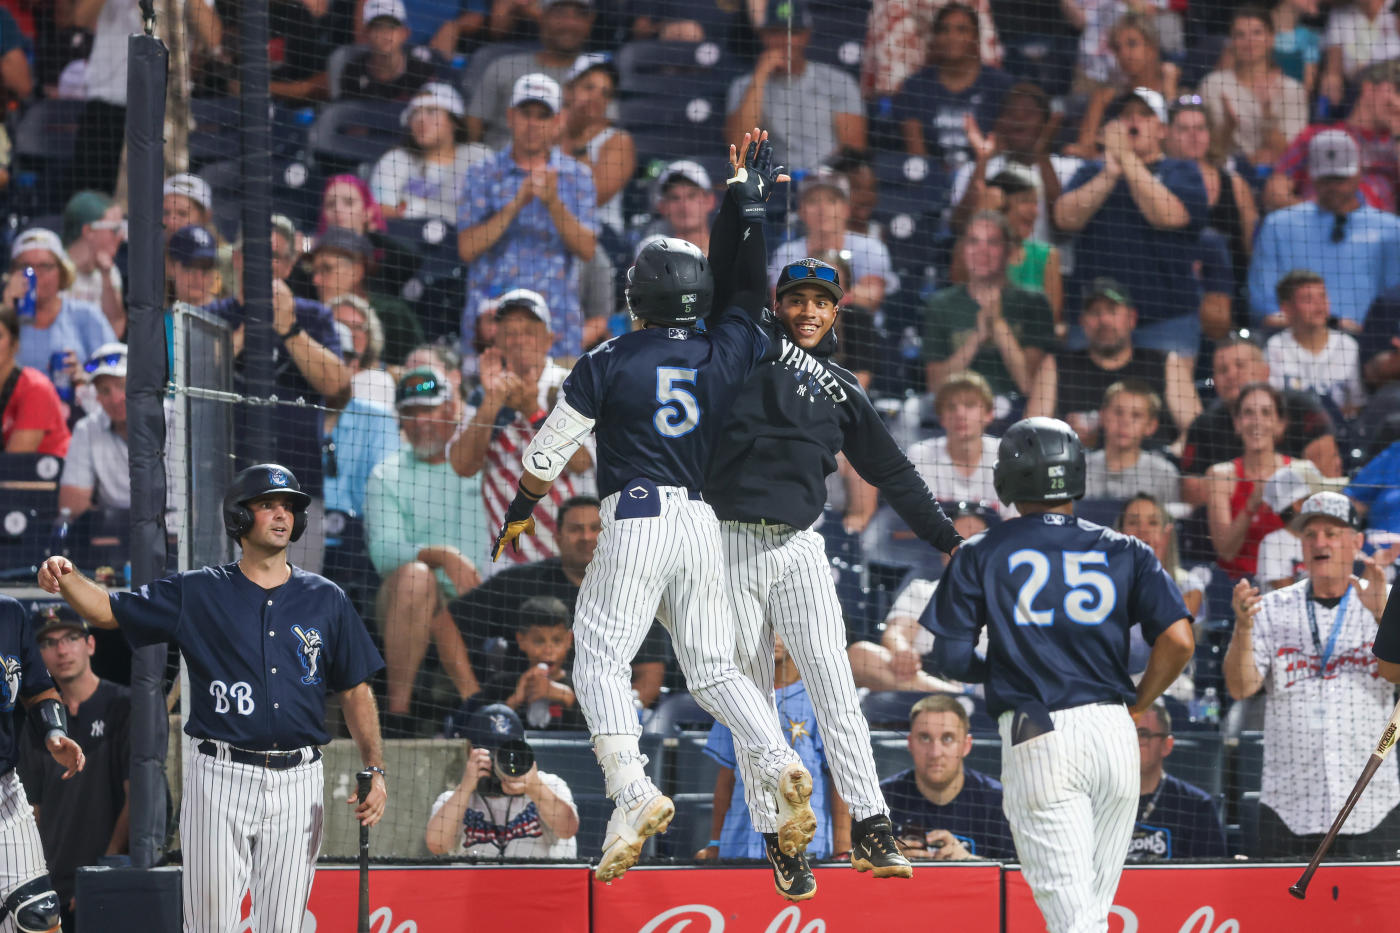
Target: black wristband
{"points": [[49, 717], [377, 770], [522, 505], [291, 331]]}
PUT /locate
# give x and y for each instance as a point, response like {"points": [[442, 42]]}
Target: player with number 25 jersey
{"points": [[1058, 596]]}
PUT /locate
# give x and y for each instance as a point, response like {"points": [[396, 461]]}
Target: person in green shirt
{"points": [[987, 325], [426, 535]]}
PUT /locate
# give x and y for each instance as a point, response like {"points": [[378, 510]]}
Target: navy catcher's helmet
{"points": [[257, 481], [1039, 460], [670, 283]]}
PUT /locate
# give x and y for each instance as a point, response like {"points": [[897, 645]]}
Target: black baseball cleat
{"points": [[792, 876], [873, 849]]}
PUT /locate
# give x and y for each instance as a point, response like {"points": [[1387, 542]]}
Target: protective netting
{"points": [[1170, 224]]}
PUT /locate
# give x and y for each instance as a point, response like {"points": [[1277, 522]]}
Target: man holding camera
{"points": [[504, 806]]}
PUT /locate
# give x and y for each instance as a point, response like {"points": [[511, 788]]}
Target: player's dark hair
{"points": [[939, 703], [952, 9], [575, 502], [1237, 338], [9, 319], [1250, 388], [849, 160], [1295, 279], [542, 612], [1032, 92]]}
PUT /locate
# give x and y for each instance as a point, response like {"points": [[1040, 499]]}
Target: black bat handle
{"points": [[363, 781]]}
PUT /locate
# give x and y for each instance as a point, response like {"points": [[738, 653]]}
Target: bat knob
{"points": [[363, 782], [1298, 891]]}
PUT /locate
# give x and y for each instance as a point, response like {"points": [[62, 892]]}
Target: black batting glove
{"points": [[754, 178]]}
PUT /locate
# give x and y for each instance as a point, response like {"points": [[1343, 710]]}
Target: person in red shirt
{"points": [[31, 416]]}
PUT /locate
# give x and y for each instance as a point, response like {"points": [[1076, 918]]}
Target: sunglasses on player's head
{"points": [[111, 359], [800, 270]]}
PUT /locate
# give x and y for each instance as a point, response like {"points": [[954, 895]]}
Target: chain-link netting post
{"points": [[255, 140]]}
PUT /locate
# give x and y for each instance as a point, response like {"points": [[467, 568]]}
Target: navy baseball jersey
{"points": [[665, 392], [260, 660], [1177, 820], [974, 816], [24, 674], [1058, 596]]}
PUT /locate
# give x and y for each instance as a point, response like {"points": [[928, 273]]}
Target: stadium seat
{"points": [[891, 752], [1099, 511], [43, 156], [335, 66], [652, 68], [1198, 758], [351, 133], [29, 493], [666, 129], [676, 712], [226, 185], [888, 541], [838, 33], [690, 782]]}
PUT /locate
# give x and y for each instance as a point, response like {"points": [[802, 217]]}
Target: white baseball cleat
{"points": [[797, 824], [628, 831]]}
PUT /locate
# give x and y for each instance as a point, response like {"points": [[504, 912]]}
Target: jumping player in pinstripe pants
{"points": [[1058, 596], [657, 398], [767, 484], [30, 904], [263, 642]]}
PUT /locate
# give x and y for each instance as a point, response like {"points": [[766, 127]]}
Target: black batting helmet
{"points": [[1039, 460], [670, 283], [262, 480]]}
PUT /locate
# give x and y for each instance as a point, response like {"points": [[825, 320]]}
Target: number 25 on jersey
{"points": [[1090, 595]]}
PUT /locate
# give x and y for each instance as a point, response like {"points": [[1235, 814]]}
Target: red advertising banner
{"points": [[1232, 899], [448, 899], [743, 900]]}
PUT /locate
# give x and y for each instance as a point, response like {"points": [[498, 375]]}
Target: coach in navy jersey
{"points": [[1058, 596], [263, 642], [767, 485], [27, 893]]}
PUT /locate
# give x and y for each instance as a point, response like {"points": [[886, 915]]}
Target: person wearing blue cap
{"points": [[491, 813]]}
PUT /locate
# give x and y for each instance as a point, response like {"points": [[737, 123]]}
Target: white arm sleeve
{"points": [[555, 442]]}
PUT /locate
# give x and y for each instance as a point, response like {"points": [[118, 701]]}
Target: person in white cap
{"points": [[61, 326], [427, 175], [1308, 647], [684, 198], [389, 69], [530, 215], [1353, 246], [1372, 121], [187, 202], [564, 28], [1136, 202], [95, 472]]}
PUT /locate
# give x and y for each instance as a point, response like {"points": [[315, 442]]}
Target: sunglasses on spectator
{"points": [[1339, 227], [111, 359], [798, 270], [36, 266], [69, 639]]}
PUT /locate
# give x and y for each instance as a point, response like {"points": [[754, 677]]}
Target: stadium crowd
{"points": [[1170, 224]]}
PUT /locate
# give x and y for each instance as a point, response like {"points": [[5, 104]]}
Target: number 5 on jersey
{"points": [[1089, 594], [679, 412]]}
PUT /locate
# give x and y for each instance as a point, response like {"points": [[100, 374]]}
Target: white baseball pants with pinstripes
{"points": [[21, 849], [1071, 797], [245, 827], [670, 568], [780, 581]]}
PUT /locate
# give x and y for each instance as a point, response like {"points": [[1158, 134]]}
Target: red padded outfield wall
{"points": [[966, 898]]}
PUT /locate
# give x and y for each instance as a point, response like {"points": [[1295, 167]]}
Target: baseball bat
{"points": [[363, 780], [1299, 889]]}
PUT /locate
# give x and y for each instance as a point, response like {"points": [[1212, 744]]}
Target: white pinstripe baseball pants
{"points": [[245, 827], [21, 850], [780, 581], [669, 567], [1071, 796]]}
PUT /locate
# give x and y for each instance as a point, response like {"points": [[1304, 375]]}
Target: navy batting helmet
{"points": [[670, 283], [261, 480], [1039, 460]]}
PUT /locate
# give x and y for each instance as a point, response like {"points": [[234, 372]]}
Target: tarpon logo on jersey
{"points": [[309, 653], [811, 373], [12, 679], [638, 492]]}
